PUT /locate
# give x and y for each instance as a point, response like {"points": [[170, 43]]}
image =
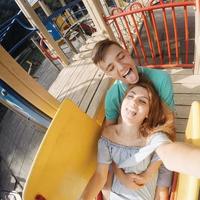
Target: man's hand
{"points": [[126, 179], [140, 179]]}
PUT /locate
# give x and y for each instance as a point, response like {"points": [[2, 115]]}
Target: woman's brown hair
{"points": [[160, 118]]}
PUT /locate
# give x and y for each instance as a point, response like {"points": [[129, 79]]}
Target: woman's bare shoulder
{"points": [[109, 132]]}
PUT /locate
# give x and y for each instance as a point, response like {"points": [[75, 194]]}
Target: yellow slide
{"points": [[67, 156], [188, 186]]}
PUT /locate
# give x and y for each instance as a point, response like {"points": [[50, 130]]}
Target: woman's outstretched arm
{"points": [[180, 157], [96, 182]]}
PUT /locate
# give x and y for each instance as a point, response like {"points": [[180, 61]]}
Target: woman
{"points": [[131, 145]]}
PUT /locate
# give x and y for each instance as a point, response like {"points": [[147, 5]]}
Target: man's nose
{"points": [[119, 66]]}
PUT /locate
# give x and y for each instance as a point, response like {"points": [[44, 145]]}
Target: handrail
{"points": [[129, 31], [5, 27], [47, 51]]}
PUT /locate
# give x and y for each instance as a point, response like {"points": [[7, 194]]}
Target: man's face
{"points": [[119, 65]]}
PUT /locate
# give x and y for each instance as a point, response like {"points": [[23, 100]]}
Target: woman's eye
{"points": [[129, 96], [143, 102]]}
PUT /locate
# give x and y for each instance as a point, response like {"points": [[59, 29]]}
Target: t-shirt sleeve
{"points": [[162, 83], [167, 95], [111, 109], [103, 155]]}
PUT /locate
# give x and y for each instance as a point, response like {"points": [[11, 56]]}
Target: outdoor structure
{"points": [[157, 34]]}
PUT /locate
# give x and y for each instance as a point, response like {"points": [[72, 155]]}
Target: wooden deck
{"points": [[186, 90], [83, 83], [20, 139]]}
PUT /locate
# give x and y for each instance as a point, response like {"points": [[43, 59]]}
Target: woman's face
{"points": [[135, 106]]}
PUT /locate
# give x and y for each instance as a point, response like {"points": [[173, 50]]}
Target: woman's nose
{"points": [[134, 103]]}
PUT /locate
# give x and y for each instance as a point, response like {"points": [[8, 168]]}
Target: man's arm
{"points": [[180, 157], [147, 175], [108, 123], [96, 183], [136, 181]]}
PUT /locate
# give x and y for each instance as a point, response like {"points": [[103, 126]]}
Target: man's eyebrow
{"points": [[119, 53]]}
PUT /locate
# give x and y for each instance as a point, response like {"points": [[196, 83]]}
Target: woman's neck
{"points": [[129, 130]]}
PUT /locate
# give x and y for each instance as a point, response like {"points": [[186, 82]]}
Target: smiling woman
{"points": [[131, 145], [135, 106]]}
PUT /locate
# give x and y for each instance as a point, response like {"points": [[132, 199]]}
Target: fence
{"points": [[149, 31]]}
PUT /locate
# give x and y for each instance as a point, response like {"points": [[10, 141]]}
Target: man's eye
{"points": [[121, 56], [110, 69]]}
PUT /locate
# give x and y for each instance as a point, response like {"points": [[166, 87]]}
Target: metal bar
{"points": [[157, 36], [120, 33], [160, 6], [21, 41], [132, 42], [167, 35], [149, 37], [175, 34], [139, 38], [186, 33], [170, 66]]}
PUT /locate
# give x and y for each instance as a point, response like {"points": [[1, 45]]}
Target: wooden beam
{"points": [[62, 2], [36, 22], [45, 8], [96, 13], [18, 79], [197, 39]]}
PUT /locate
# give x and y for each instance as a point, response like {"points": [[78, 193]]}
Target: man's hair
{"points": [[101, 48], [160, 118]]}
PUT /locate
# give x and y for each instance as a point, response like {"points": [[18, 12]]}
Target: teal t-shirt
{"points": [[161, 81]]}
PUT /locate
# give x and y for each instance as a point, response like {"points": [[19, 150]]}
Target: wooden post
{"points": [[197, 39], [45, 8], [35, 21], [118, 4], [62, 3], [96, 13], [18, 79]]}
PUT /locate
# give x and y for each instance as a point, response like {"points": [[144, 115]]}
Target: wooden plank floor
{"points": [[20, 139], [186, 90], [80, 82]]}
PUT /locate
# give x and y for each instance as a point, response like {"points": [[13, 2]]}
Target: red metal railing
{"points": [[149, 50]]}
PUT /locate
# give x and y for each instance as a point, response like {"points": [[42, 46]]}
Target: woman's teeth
{"points": [[131, 112]]}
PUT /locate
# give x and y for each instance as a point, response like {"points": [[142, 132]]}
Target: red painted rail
{"points": [[150, 46]]}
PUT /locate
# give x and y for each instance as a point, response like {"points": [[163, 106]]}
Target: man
{"points": [[117, 63]]}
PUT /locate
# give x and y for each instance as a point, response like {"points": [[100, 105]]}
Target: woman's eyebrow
{"points": [[140, 96]]}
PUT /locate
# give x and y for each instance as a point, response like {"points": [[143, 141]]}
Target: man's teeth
{"points": [[127, 73]]}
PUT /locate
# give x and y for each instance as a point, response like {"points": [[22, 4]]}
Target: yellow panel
{"points": [[66, 158], [188, 186]]}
